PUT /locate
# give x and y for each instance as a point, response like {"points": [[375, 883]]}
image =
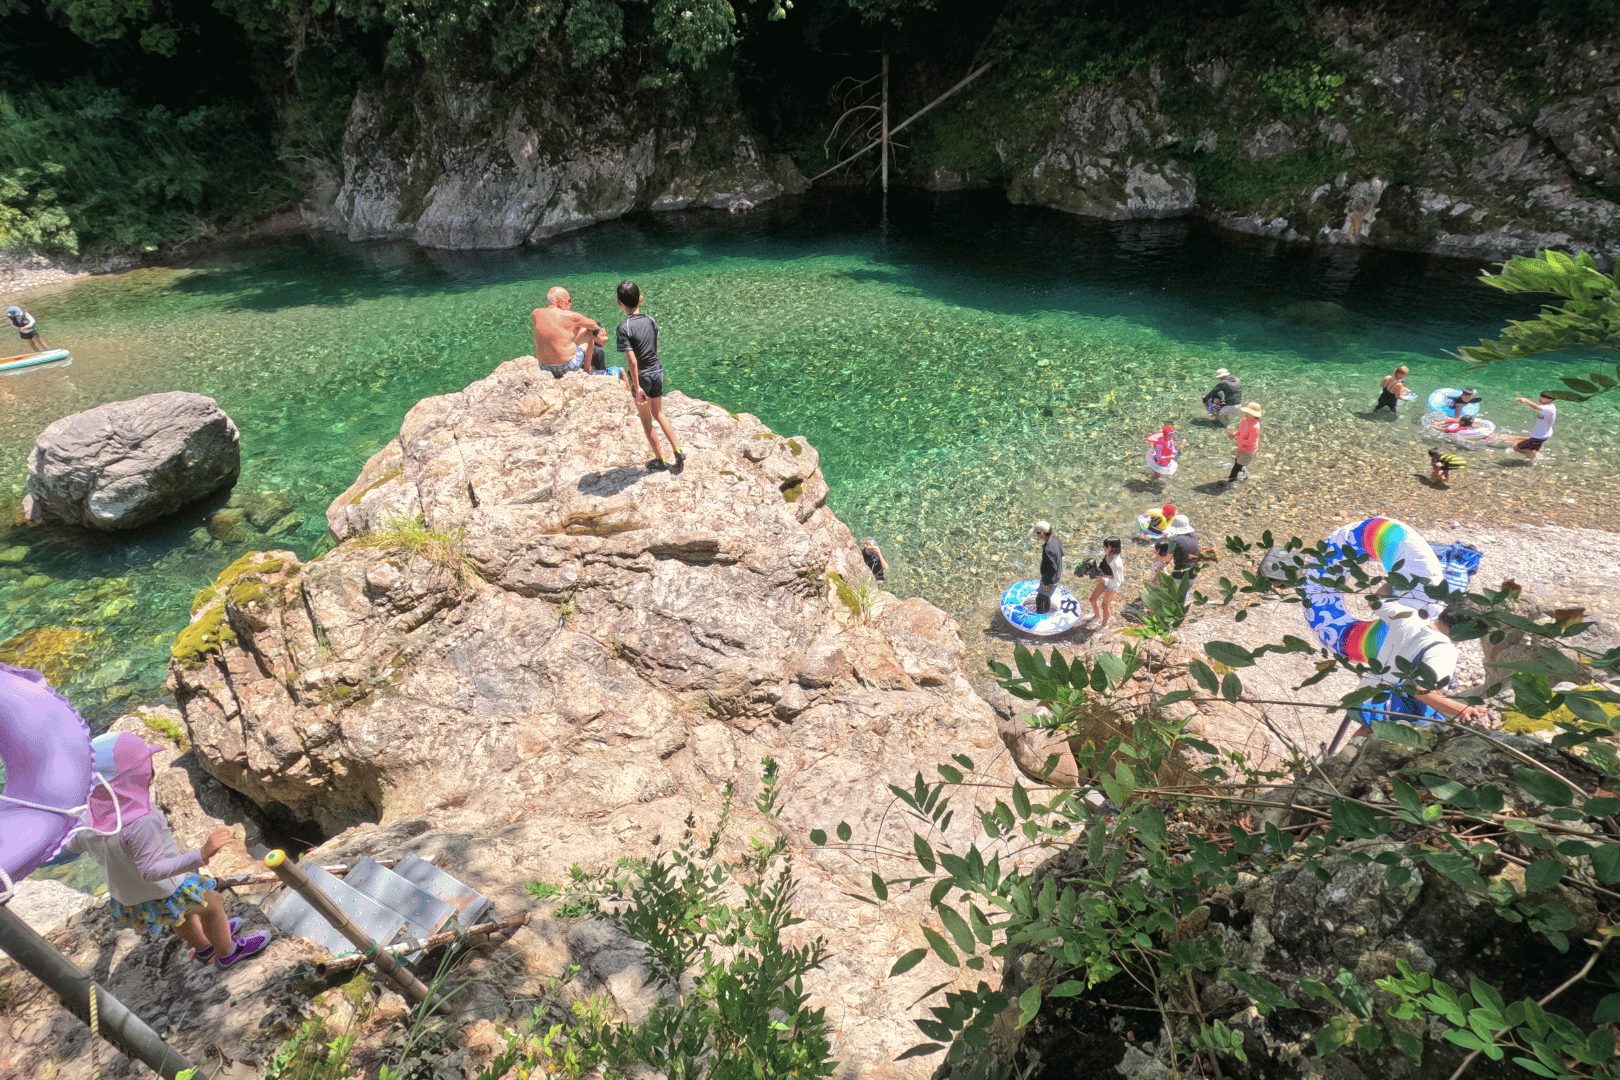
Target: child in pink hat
{"points": [[154, 885]]}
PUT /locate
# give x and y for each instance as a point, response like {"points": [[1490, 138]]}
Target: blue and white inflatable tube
{"points": [[1018, 608], [1440, 402]]}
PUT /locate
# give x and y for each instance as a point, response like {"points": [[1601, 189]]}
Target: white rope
{"points": [[8, 887], [69, 811], [78, 811]]}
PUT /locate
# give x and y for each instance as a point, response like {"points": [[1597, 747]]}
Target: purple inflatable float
{"points": [[46, 749]]}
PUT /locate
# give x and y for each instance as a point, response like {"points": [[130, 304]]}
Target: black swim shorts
{"points": [[1529, 444], [652, 382]]}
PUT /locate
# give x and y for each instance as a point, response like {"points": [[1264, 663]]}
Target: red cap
{"points": [[1168, 509]]}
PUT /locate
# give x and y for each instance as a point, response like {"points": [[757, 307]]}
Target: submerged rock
{"points": [[57, 652], [528, 652], [122, 465]]}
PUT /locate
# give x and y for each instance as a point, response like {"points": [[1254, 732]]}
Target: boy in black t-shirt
{"points": [[638, 340]]}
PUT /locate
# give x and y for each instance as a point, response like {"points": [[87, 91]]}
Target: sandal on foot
{"points": [[206, 953], [245, 947], [657, 464]]}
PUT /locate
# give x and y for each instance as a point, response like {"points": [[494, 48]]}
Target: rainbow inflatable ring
{"points": [[1399, 549]]}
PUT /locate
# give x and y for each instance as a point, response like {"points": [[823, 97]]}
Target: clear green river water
{"points": [[964, 367]]}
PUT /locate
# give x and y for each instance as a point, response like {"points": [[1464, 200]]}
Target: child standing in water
{"points": [[1163, 451], [1247, 437], [638, 340], [153, 884]]}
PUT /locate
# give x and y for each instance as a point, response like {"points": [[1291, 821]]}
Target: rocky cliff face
{"points": [[1406, 140], [527, 652], [454, 163]]}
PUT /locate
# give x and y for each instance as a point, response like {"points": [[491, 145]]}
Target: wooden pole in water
{"points": [[293, 876], [114, 1022], [885, 113]]}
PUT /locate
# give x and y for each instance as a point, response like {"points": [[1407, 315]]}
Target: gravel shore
{"points": [[1555, 565]]}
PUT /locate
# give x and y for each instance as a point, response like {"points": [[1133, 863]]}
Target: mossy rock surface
{"points": [[207, 633], [56, 652], [238, 584]]}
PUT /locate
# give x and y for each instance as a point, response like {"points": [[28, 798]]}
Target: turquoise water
{"points": [[964, 368]]}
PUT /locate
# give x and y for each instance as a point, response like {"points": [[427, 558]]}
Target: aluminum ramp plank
{"points": [[471, 906], [291, 915], [425, 914]]}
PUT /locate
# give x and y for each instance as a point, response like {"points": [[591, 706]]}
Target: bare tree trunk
{"points": [[908, 121], [885, 122]]}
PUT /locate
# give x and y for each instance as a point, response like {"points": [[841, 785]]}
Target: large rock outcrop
{"points": [[127, 463], [527, 652], [1400, 137], [455, 163]]}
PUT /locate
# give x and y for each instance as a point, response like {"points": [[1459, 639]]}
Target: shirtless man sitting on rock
{"points": [[563, 338]]}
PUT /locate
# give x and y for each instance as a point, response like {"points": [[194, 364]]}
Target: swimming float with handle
{"points": [[1398, 549], [1443, 425], [45, 745], [1440, 402], [1166, 469], [1144, 525], [1018, 608]]}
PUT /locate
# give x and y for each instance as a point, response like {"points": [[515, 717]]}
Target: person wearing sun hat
{"points": [[153, 886], [1185, 551], [1247, 437], [1227, 395]]}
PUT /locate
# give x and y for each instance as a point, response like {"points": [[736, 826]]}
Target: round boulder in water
{"points": [[121, 465]]}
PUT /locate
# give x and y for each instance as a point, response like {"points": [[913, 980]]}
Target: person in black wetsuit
{"points": [[1051, 565], [638, 340]]}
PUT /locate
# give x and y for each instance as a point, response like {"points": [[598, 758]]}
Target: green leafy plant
{"points": [[732, 1004], [1113, 916], [1303, 88], [1588, 319]]}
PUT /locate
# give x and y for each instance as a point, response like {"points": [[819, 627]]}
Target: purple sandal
{"points": [[206, 953], [245, 947]]}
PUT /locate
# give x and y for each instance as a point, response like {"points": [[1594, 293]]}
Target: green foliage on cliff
{"points": [[86, 165]]}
